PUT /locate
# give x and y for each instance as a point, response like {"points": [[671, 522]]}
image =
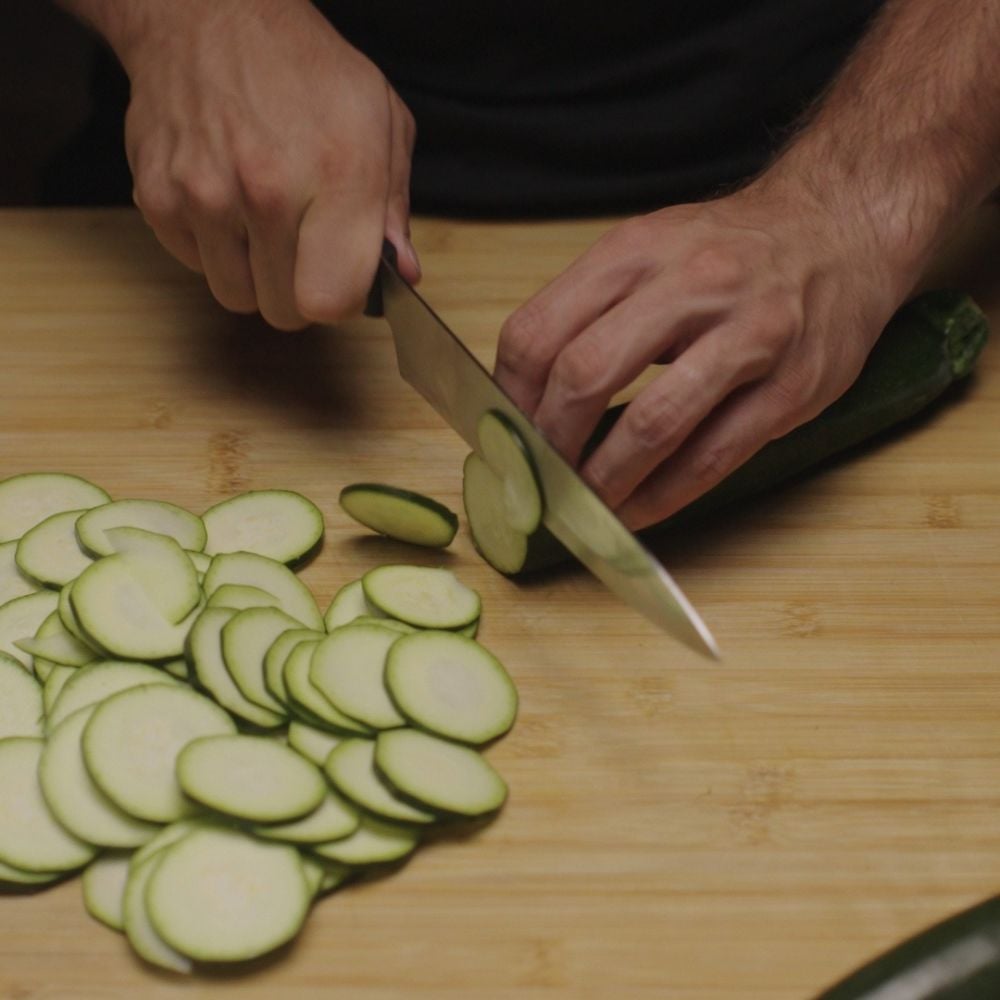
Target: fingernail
{"points": [[414, 259]]}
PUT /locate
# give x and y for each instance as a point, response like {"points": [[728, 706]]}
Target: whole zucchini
{"points": [[956, 959], [929, 344]]}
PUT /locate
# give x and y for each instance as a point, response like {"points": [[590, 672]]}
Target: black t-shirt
{"points": [[552, 107]]}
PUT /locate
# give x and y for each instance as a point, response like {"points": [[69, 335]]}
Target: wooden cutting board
{"points": [[676, 829]]}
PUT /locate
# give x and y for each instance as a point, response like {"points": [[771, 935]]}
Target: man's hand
{"points": [[266, 152], [764, 304], [756, 303]]}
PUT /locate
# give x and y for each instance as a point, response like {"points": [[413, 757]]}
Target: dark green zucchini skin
{"points": [[956, 959], [930, 343]]}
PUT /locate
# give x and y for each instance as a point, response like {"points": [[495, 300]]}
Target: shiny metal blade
{"points": [[436, 363]]}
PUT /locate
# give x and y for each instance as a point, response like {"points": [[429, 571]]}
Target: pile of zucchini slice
{"points": [[183, 724]]}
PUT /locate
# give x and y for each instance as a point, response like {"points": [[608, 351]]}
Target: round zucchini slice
{"points": [[401, 514]]}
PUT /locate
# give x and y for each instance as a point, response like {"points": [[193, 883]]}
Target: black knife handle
{"points": [[373, 307]]}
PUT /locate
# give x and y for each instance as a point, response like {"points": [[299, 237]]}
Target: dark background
{"points": [[45, 65]]}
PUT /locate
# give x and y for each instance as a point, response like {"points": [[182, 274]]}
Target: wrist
{"points": [[874, 211]]}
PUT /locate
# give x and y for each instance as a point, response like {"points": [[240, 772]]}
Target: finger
{"points": [[669, 409], [737, 430], [163, 212], [397, 210], [225, 258], [533, 335], [609, 354], [181, 244], [337, 255], [272, 234]]}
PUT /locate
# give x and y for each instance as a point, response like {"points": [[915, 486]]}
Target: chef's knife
{"points": [[436, 363]]}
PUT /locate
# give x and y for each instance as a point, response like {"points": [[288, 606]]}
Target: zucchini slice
{"points": [[400, 514], [28, 499], [17, 877], [450, 685], [504, 547], [279, 524], [157, 516], [114, 610], [246, 639], [332, 819], [162, 568], [155, 722], [13, 583], [21, 706], [21, 618], [505, 452], [69, 791], [56, 679], [293, 596], [427, 597], [30, 836], [350, 767], [99, 681], [277, 655], [444, 776], [139, 930], [348, 603], [103, 884], [67, 615], [205, 895], [168, 835], [250, 778], [307, 701], [375, 842], [348, 669], [56, 644], [240, 596], [205, 653], [314, 744], [50, 553]]}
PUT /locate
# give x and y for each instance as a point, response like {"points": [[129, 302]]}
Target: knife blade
{"points": [[440, 367]]}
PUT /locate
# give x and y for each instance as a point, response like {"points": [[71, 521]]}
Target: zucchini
{"points": [[249, 778], [204, 897], [956, 959], [348, 668], [930, 344], [437, 774], [103, 884], [451, 686], [400, 514], [424, 596], [351, 770]]}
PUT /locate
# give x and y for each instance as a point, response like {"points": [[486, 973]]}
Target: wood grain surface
{"points": [[676, 829]]}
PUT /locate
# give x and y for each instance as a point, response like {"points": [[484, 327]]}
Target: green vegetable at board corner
{"points": [[929, 345], [957, 958]]}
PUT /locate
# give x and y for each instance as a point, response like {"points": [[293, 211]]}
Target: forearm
{"points": [[129, 26], [907, 139]]}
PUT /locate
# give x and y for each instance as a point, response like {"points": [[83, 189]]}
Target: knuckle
{"points": [[327, 305], [580, 368], [633, 241], [203, 191], [264, 183], [157, 202], [652, 423], [717, 267], [711, 465], [521, 347]]}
